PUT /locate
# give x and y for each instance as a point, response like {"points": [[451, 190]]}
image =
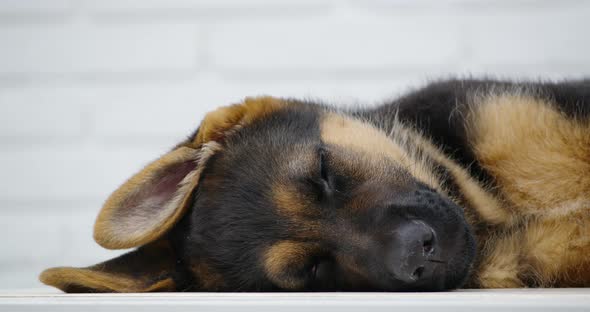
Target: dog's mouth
{"points": [[435, 250]]}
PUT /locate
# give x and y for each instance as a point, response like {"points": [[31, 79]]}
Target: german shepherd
{"points": [[460, 184]]}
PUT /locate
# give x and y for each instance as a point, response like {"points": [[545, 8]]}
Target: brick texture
{"points": [[82, 48], [335, 43]]}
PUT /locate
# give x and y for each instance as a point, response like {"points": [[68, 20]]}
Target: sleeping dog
{"points": [[463, 183]]}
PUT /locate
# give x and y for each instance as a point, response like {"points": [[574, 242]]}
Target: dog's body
{"points": [[463, 183]]}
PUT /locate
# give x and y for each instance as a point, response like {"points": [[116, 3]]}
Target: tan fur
{"points": [[218, 122], [540, 160], [284, 257], [558, 249], [477, 197], [501, 262], [289, 200], [293, 204], [144, 270], [371, 142], [543, 252], [101, 282]]}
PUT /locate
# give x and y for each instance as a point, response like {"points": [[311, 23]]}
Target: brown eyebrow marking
{"points": [[292, 203], [298, 207], [284, 259]]}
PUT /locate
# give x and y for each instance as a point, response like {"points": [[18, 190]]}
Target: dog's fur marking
{"points": [[543, 252], [217, 123], [146, 269], [539, 158], [557, 245], [373, 143], [501, 264], [289, 200], [474, 195], [284, 261], [413, 152], [293, 203]]}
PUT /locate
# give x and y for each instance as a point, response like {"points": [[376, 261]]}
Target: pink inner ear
{"points": [[149, 206]]}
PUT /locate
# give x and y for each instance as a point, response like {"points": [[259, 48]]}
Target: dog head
{"points": [[280, 195]]}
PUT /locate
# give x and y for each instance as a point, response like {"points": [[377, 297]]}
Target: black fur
{"points": [[437, 110]]}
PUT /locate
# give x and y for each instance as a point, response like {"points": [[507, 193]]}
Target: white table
{"points": [[467, 300]]}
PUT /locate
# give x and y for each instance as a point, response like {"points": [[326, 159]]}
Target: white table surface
{"points": [[466, 300]]}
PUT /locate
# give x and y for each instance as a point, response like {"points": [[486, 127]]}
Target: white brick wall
{"points": [[360, 41], [90, 91], [71, 48]]}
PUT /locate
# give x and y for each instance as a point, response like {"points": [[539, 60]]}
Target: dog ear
{"points": [[146, 269], [149, 204], [152, 201]]}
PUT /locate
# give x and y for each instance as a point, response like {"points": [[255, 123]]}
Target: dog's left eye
{"points": [[313, 272], [320, 274], [323, 165]]}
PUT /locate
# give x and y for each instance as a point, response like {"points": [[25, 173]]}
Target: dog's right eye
{"points": [[323, 166], [325, 177]]}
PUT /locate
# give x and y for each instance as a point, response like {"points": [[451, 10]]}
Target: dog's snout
{"points": [[409, 259]]}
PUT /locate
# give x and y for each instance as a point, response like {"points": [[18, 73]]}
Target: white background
{"points": [[90, 91]]}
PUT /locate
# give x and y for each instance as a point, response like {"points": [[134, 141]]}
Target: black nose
{"points": [[415, 243]]}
